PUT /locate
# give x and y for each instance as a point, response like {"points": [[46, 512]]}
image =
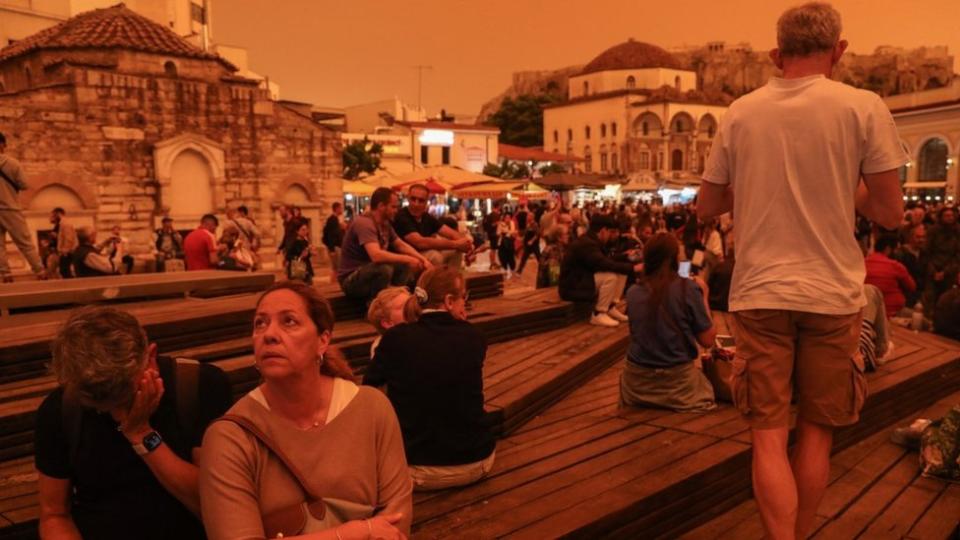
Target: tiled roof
{"points": [[536, 153], [632, 55], [115, 27]]}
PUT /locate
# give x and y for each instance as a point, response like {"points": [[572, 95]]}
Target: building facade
{"points": [[634, 110], [120, 121], [929, 126]]}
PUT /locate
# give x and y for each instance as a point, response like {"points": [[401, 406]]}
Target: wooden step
{"points": [[174, 324], [500, 319], [521, 377], [583, 468], [875, 491]]}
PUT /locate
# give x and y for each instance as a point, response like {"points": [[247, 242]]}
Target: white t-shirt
{"points": [[793, 152], [343, 393]]}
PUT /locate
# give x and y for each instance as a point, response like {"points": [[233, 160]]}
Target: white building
{"points": [[634, 109], [411, 141], [929, 126]]}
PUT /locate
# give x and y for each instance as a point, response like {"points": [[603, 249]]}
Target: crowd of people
{"points": [[128, 443]]}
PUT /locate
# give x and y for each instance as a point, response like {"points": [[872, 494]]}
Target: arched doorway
{"points": [[932, 160], [37, 215], [676, 160], [190, 193]]}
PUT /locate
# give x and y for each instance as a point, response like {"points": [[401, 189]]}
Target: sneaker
{"points": [[618, 315], [602, 319]]}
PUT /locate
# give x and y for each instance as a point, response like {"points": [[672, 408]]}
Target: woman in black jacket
{"points": [[433, 373]]}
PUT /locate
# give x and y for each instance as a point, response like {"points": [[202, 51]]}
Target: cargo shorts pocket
{"points": [[740, 385], [859, 383]]}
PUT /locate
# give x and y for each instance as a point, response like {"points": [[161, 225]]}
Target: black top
{"points": [[332, 233], [80, 262], [405, 224], [584, 258], [433, 370], [115, 494], [946, 316]]}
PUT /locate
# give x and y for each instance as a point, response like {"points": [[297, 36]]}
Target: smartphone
{"points": [[684, 270], [726, 342]]}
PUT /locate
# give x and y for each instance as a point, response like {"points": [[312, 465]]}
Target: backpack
{"points": [[940, 447], [185, 386]]}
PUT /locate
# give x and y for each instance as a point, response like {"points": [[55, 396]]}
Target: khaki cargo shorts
{"points": [[780, 352]]}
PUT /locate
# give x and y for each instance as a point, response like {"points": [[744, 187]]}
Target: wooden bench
{"points": [[875, 491], [586, 469], [521, 378], [174, 324], [501, 319], [32, 296]]}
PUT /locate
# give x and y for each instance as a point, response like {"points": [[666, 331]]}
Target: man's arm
{"points": [[714, 200], [55, 520], [880, 198], [423, 243], [406, 249], [379, 255]]}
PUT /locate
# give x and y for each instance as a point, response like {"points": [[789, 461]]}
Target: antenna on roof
{"points": [[420, 68]]}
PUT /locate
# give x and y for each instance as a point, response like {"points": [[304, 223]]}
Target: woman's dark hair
{"points": [[321, 313], [886, 241], [660, 265], [437, 283]]}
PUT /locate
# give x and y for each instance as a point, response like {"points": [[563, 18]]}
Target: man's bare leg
{"points": [[773, 483], [810, 462]]}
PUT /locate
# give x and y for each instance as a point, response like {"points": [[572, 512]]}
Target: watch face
{"points": [[152, 441]]}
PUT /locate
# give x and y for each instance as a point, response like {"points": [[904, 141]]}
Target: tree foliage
{"points": [[552, 168], [521, 119], [361, 157]]}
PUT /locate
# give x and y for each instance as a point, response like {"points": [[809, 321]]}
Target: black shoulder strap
{"points": [[186, 387], [72, 417]]}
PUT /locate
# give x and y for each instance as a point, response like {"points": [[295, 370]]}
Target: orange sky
{"points": [[338, 53]]}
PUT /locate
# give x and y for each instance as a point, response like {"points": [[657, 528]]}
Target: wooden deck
{"points": [[587, 469], [875, 491]]}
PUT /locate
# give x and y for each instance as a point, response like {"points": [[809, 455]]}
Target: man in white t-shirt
{"points": [[793, 161]]}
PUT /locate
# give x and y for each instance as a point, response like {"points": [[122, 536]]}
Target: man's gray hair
{"points": [[808, 29]]}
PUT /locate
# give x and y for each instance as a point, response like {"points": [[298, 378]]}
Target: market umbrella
{"points": [[567, 181], [500, 190], [382, 180], [358, 188], [433, 186], [446, 175]]}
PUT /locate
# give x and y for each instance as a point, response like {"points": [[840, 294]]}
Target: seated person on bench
{"points": [[88, 261], [373, 256], [433, 371], [439, 243], [669, 316], [115, 443], [589, 274], [386, 311]]}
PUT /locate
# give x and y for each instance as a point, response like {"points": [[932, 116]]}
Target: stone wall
{"points": [[101, 128]]}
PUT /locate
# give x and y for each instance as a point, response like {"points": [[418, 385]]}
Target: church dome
{"points": [[632, 55]]}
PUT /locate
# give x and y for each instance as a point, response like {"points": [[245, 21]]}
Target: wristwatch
{"points": [[151, 442]]}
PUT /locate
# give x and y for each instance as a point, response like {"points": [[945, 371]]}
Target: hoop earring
{"points": [[320, 360]]}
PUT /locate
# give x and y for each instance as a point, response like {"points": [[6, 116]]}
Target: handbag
{"points": [[314, 514], [298, 269]]}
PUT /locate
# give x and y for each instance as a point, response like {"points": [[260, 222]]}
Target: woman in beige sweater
{"points": [[343, 439]]}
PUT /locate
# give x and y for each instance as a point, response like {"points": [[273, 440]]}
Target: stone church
{"points": [[121, 121]]}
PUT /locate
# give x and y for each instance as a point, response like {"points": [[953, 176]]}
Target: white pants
{"points": [[12, 223], [609, 288], [426, 477]]}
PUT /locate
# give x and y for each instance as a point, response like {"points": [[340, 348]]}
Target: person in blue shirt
{"points": [[669, 316]]}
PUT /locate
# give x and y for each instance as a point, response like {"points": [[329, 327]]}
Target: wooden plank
{"points": [[941, 519]]}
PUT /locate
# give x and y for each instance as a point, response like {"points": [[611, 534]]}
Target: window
{"points": [[569, 134], [170, 69], [646, 129], [556, 136], [586, 133], [645, 161], [613, 129], [614, 163], [631, 82], [657, 164], [603, 162], [586, 87], [445, 155], [424, 154], [603, 130], [676, 82], [588, 164], [933, 160], [676, 160]]}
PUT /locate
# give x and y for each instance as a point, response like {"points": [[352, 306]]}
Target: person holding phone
{"points": [[669, 317]]}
